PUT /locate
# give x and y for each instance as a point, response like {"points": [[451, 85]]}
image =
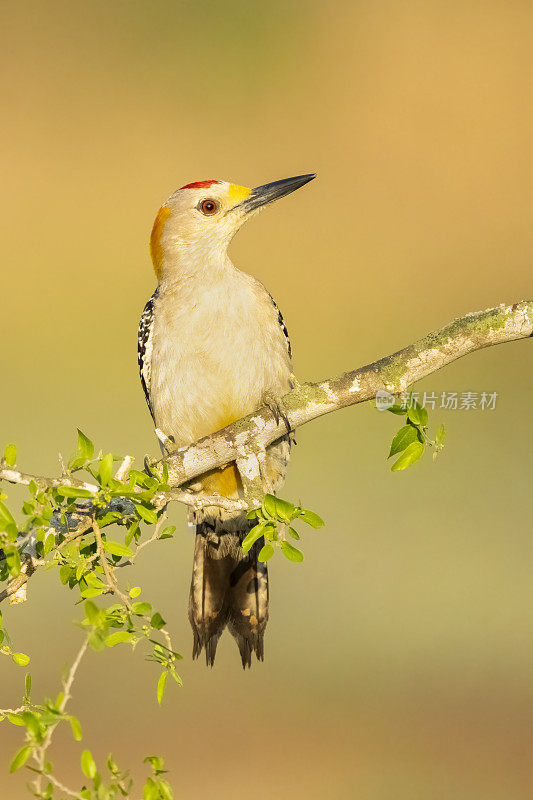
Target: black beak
{"points": [[262, 195]]}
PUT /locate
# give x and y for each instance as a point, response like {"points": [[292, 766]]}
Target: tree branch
{"points": [[250, 435], [245, 440], [188, 497], [394, 373]]}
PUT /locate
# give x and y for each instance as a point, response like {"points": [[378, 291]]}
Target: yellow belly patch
{"points": [[225, 482]]}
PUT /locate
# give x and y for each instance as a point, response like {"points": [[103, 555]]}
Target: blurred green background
{"points": [[399, 656]]}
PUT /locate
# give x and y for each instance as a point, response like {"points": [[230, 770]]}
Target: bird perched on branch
{"points": [[213, 348]]}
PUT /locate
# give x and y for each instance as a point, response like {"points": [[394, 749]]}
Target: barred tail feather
{"points": [[248, 606], [207, 611], [230, 588]]}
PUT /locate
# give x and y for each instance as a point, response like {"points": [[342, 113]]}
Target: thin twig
{"points": [[61, 786], [122, 472], [157, 530], [5, 711], [39, 754], [109, 572]]}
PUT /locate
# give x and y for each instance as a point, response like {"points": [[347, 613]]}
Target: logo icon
{"points": [[384, 400]]}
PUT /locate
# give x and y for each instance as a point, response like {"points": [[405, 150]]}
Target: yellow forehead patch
{"points": [[238, 193], [156, 248]]}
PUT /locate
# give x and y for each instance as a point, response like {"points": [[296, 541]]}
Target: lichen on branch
{"points": [[394, 373]]}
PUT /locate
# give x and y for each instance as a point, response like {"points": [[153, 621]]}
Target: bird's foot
{"points": [[167, 442], [149, 462], [294, 383], [273, 403]]}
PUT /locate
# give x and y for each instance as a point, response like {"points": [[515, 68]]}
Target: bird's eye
{"points": [[208, 207]]}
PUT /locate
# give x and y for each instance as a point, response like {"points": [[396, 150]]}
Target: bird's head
{"points": [[200, 219]]}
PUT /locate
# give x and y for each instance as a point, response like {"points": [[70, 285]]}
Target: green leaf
{"points": [[73, 491], [265, 553], [176, 676], [96, 641], [21, 659], [65, 572], [117, 549], [11, 531], [92, 612], [140, 478], [20, 758], [27, 686], [284, 510], [28, 507], [168, 532], [417, 414], [88, 767], [252, 536], [397, 409], [119, 638], [164, 789], [409, 456], [294, 534], [161, 647], [5, 515], [76, 728], [90, 591], [92, 580], [49, 543], [156, 762], [112, 764], [270, 532], [141, 608], [85, 446], [291, 552], [150, 790], [157, 621], [135, 591], [311, 518], [133, 530], [161, 683], [269, 505], [148, 514], [32, 724], [105, 470], [440, 435], [15, 719], [10, 455], [13, 561], [403, 438], [253, 514]]}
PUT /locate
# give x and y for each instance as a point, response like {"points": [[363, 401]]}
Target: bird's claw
{"points": [[278, 412], [165, 441], [147, 465]]}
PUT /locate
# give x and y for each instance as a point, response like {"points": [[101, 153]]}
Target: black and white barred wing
{"points": [[144, 348], [281, 323]]}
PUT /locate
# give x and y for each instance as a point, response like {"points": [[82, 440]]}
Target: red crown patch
{"points": [[199, 185]]}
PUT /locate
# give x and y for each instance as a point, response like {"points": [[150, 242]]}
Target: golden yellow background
{"points": [[399, 656]]}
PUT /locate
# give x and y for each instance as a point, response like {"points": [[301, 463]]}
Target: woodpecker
{"points": [[212, 348]]}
